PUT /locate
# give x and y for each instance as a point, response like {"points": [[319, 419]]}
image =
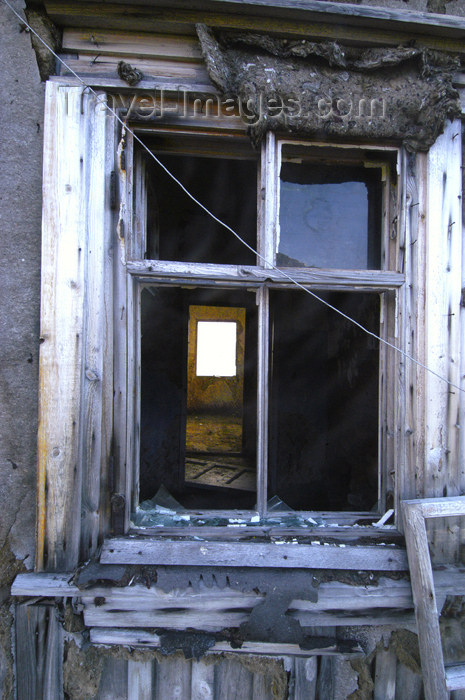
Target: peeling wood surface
{"points": [[139, 551]]}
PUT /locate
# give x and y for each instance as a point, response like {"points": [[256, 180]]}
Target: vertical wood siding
{"points": [[443, 457]]}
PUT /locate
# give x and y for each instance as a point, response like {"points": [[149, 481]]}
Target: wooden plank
{"points": [[140, 551], [332, 595], [443, 451], [130, 44], [385, 675], [304, 678], [203, 681], [63, 287], [142, 638], [85, 67], [408, 684], [455, 677], [173, 678], [424, 597], [140, 674], [96, 389], [154, 84], [39, 652], [233, 680], [26, 621], [114, 679], [366, 280], [351, 12], [439, 507], [410, 405], [121, 485], [155, 19], [326, 678]]}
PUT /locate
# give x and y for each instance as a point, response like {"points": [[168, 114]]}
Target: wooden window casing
{"points": [[92, 265], [263, 277]]}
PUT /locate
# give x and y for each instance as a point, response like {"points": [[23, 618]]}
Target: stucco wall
{"points": [[21, 114]]}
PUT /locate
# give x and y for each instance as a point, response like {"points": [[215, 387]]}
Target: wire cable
{"points": [[269, 264]]}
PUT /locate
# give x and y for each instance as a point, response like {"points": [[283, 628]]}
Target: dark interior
{"points": [[178, 229], [163, 454], [324, 402]]}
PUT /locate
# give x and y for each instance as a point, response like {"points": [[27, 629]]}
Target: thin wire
{"points": [[226, 226]]}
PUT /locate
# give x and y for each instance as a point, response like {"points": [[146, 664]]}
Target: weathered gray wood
{"points": [[409, 403], [62, 325], [76, 392], [424, 597], [123, 430], [233, 680], [385, 25], [443, 451], [173, 678], [146, 639], [114, 680], [39, 653], [455, 677], [388, 602], [437, 23], [326, 678], [304, 678], [367, 280], [203, 681], [140, 676], [385, 675], [97, 385], [439, 507], [342, 533], [139, 551], [408, 684]]}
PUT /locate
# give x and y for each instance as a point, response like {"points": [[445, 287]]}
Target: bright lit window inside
{"points": [[216, 349]]}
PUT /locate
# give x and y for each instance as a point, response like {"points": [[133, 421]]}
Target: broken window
{"points": [[252, 391]]}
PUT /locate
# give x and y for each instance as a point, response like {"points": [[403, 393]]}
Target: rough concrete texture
{"points": [[21, 110]]}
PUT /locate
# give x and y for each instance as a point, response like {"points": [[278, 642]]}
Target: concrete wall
{"points": [[21, 116]]}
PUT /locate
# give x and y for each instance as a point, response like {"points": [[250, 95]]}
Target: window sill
{"points": [[308, 552]]}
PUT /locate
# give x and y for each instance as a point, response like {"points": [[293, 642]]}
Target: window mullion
{"points": [[262, 397]]}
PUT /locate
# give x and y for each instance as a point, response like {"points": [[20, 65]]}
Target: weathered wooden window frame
{"points": [[386, 281], [84, 418]]}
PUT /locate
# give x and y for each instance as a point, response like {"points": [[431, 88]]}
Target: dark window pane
{"points": [[324, 402], [198, 433], [178, 229], [329, 216]]}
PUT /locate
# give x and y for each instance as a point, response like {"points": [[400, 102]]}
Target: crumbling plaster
{"points": [[21, 115]]}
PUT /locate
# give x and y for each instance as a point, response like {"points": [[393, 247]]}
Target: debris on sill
{"points": [[383, 520]]}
